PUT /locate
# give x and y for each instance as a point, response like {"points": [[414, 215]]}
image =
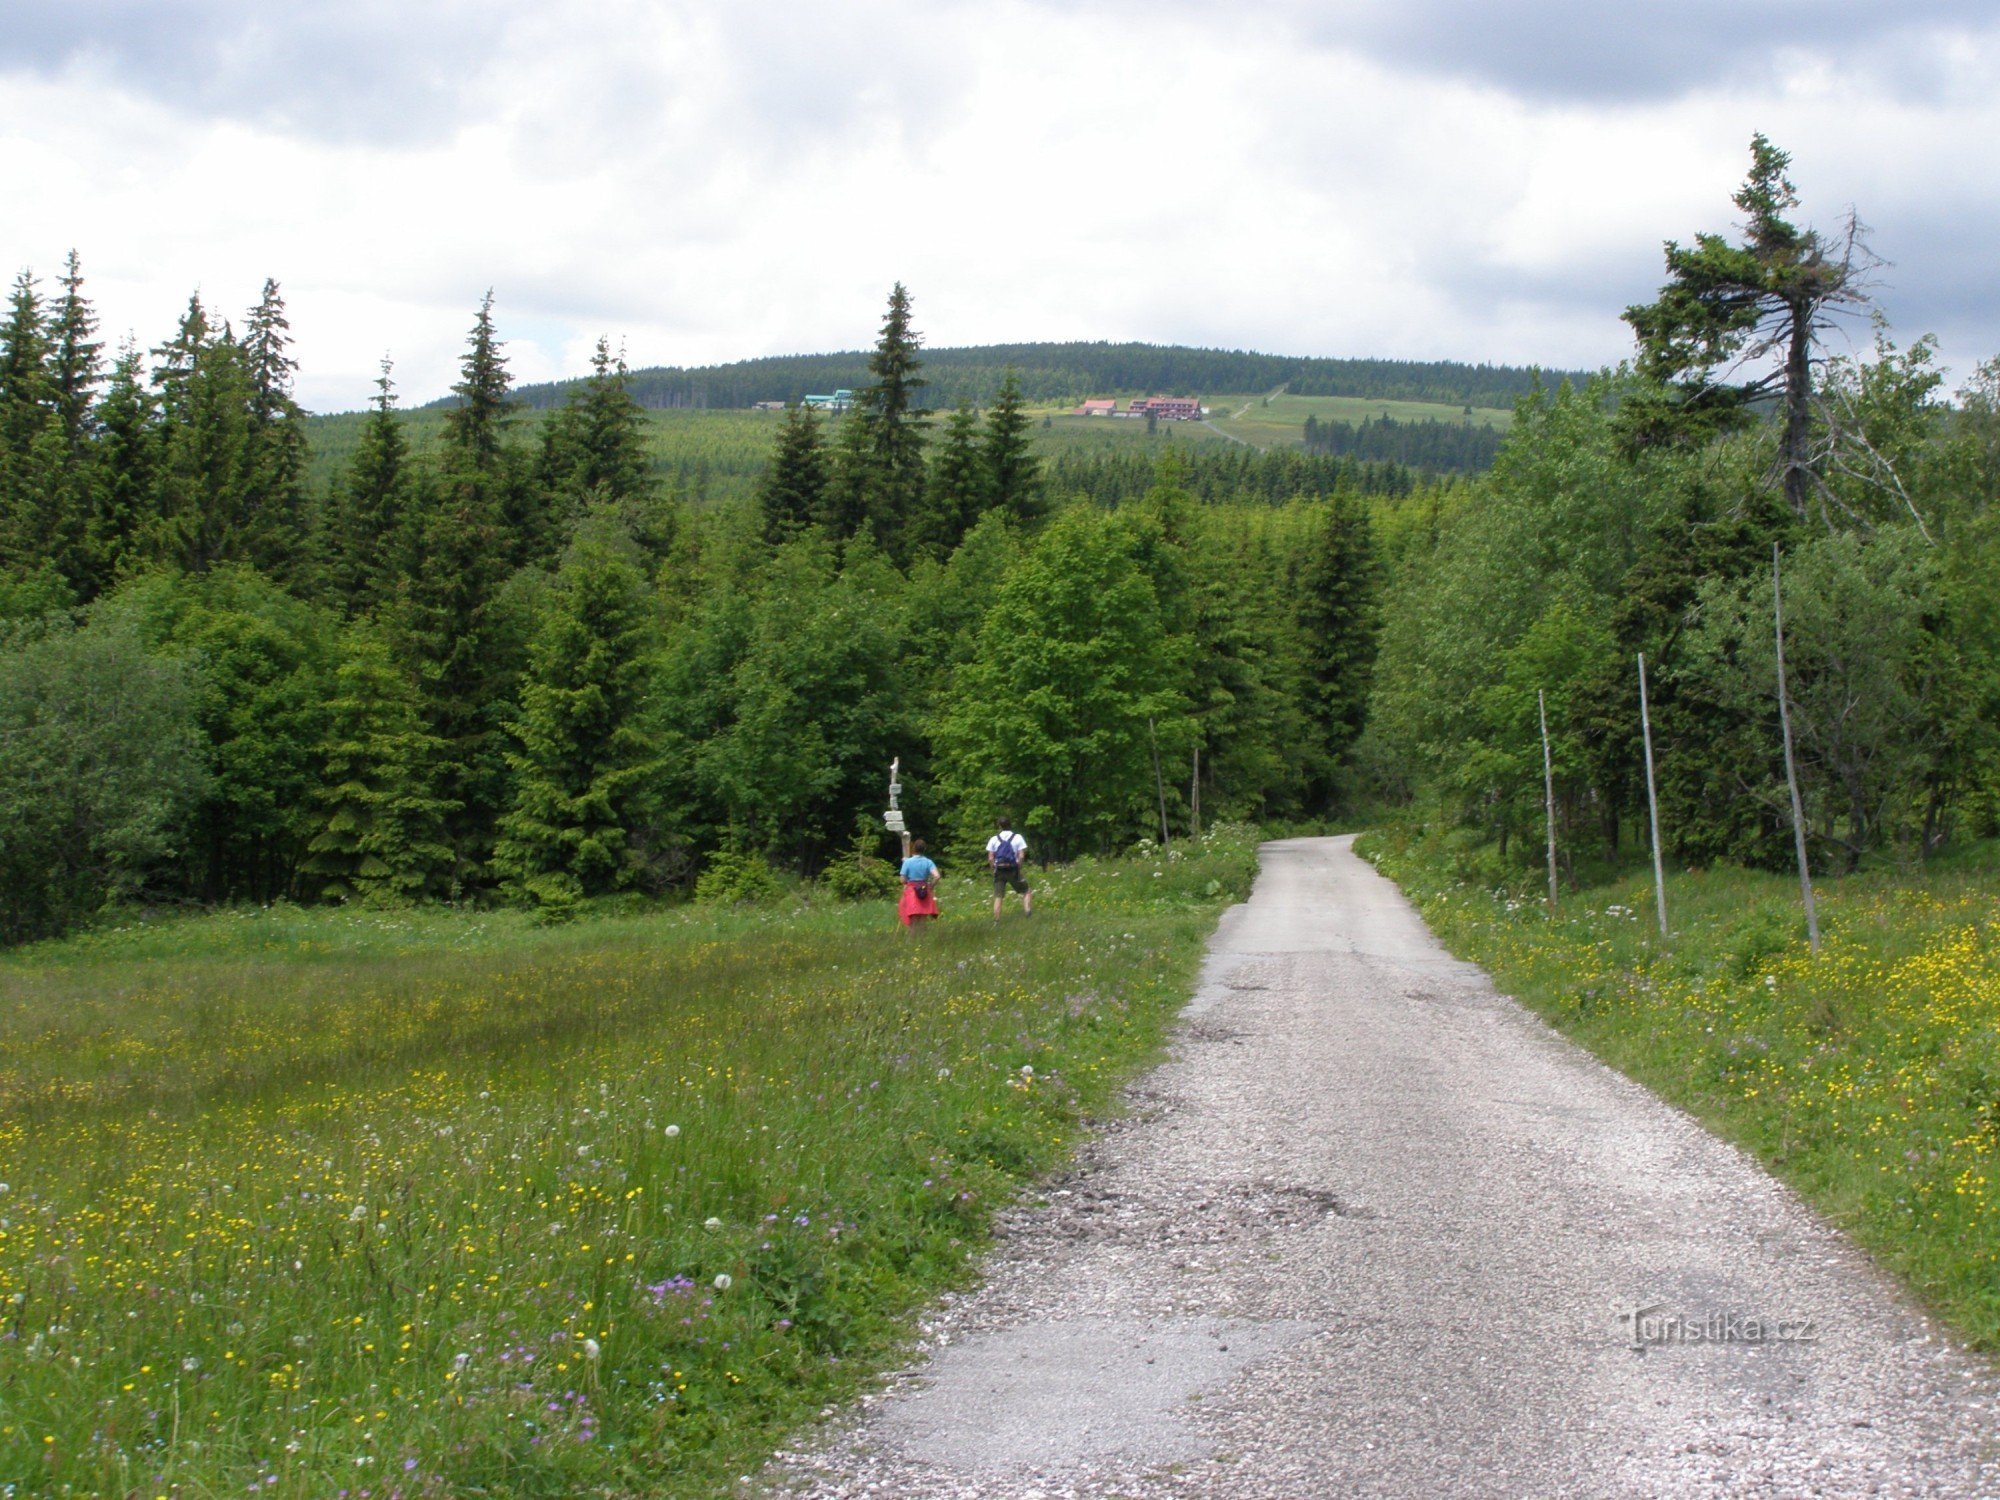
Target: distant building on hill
{"points": [[1167, 408], [838, 401], [767, 406], [1104, 408]]}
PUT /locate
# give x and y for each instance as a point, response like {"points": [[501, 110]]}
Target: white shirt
{"points": [[1020, 844]]}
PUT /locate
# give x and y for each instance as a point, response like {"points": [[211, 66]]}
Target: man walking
{"points": [[1004, 852]]}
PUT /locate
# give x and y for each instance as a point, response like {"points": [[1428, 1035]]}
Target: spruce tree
{"points": [[32, 530], [792, 495], [479, 455], [1338, 612], [587, 762], [1014, 478], [123, 511], [476, 428], [1738, 326], [446, 625], [959, 489], [894, 423], [275, 451], [367, 512], [76, 357], [205, 465], [848, 496], [382, 840], [594, 446], [465, 536]]}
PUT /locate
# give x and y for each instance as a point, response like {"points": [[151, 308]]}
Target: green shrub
{"points": [[101, 766], [862, 877], [733, 877]]}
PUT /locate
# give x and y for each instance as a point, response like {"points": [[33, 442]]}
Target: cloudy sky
{"points": [[706, 180]]}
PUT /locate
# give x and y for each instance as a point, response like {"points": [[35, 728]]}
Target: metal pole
{"points": [[1791, 769], [1549, 794], [1652, 799], [1194, 794], [1166, 842]]}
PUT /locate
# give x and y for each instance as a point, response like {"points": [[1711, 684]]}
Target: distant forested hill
{"points": [[1069, 372]]}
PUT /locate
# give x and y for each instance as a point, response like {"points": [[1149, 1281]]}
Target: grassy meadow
{"points": [[1280, 419], [718, 455], [336, 1203], [1867, 1077]]}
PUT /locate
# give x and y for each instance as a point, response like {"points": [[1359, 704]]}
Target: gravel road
{"points": [[1375, 1230]]}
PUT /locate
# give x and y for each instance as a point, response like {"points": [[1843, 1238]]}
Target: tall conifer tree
{"points": [[1338, 612], [594, 447], [793, 493], [32, 530], [124, 503], [891, 408], [382, 840], [76, 356], [368, 512], [587, 764], [959, 488], [1014, 478]]}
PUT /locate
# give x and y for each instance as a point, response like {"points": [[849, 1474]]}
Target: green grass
{"points": [[718, 455], [1867, 1077], [446, 1203], [1283, 419]]}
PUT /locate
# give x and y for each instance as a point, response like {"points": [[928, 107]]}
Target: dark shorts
{"points": [[1006, 877]]}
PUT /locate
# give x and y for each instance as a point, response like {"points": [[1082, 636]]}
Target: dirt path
{"points": [[1375, 1230]]}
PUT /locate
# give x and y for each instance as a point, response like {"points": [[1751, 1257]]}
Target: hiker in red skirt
{"points": [[919, 886]]}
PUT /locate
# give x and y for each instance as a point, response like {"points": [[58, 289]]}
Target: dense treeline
{"points": [[508, 662], [1215, 474], [1070, 372], [1439, 447], [1638, 512], [511, 663]]}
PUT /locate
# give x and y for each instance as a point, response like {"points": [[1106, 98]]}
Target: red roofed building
{"points": [[1168, 408]]}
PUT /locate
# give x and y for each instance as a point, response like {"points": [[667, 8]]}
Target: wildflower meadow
{"points": [[374, 1206]]}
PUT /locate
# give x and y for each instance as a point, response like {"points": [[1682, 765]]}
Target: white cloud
{"points": [[710, 181]]}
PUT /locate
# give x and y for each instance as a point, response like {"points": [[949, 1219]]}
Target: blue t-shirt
{"points": [[919, 867]]}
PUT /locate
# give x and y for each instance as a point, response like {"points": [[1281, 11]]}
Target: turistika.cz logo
{"points": [[1651, 1325]]}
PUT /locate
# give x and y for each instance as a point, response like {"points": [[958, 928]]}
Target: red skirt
{"points": [[917, 902]]}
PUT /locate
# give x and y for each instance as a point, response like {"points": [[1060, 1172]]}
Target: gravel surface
{"points": [[1376, 1230]]}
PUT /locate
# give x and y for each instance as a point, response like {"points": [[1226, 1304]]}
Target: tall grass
{"points": [[1868, 1077], [322, 1204]]}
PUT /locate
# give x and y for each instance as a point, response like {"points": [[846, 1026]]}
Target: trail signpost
{"points": [[893, 818]]}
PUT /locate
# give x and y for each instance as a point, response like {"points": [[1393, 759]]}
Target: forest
{"points": [[1436, 446], [1067, 373], [517, 664], [501, 668]]}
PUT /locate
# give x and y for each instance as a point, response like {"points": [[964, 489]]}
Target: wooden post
{"points": [[895, 790], [1548, 794], [1166, 841], [1194, 794], [1652, 799], [1791, 769]]}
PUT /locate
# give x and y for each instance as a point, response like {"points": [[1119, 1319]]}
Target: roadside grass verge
{"points": [[319, 1203], [1867, 1078]]}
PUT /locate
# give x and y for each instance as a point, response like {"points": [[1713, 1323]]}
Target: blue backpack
{"points": [[1007, 855]]}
